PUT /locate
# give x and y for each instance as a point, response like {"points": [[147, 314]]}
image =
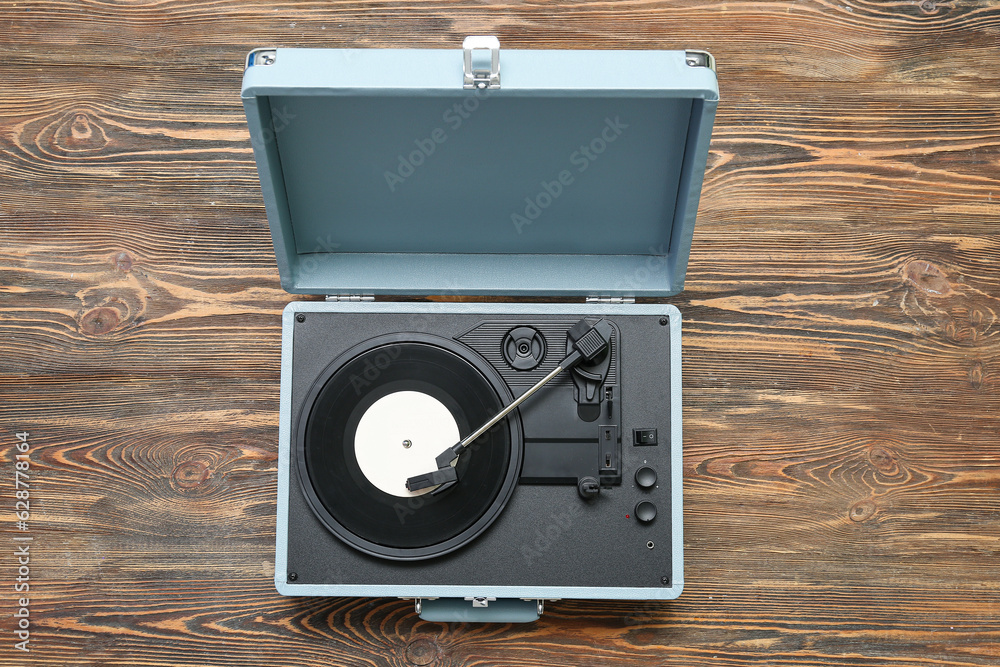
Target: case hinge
{"points": [[610, 299], [350, 297], [481, 78]]}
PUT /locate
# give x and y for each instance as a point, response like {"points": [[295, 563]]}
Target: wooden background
{"points": [[842, 343]]}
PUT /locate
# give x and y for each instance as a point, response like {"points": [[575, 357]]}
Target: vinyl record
{"points": [[380, 413]]}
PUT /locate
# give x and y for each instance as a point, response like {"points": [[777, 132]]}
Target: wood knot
{"points": [[928, 7], [191, 474], [883, 460], [966, 326], [99, 321], [422, 651], [927, 277], [201, 469], [976, 375], [122, 262], [78, 132], [80, 127], [862, 510]]}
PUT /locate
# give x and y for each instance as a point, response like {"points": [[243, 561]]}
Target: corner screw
{"points": [[664, 580], [663, 321], [293, 576], [300, 318]]}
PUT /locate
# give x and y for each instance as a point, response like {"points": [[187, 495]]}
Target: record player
{"points": [[480, 456]]}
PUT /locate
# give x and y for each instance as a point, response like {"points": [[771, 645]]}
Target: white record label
{"points": [[399, 436]]}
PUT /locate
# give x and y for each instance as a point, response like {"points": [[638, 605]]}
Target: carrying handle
{"points": [[481, 610]]}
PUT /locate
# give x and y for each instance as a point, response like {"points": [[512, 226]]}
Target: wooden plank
{"points": [[842, 412]]}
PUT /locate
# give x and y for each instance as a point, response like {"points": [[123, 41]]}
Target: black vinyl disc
{"points": [[377, 522]]}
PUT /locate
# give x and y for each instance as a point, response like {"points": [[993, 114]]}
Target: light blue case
{"points": [[427, 172]]}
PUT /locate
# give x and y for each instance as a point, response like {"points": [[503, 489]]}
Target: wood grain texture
{"points": [[841, 339]]}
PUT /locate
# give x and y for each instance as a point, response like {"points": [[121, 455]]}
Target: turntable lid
{"points": [[579, 176]]}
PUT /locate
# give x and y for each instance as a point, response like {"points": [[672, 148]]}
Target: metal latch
{"points": [[481, 78], [480, 602], [263, 56], [694, 58]]}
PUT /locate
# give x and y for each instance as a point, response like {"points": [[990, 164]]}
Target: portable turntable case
{"points": [[461, 172]]}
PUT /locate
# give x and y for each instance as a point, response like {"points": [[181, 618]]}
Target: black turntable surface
{"points": [[520, 514], [419, 381]]}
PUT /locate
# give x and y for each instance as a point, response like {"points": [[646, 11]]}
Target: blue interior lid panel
{"points": [[554, 184]]}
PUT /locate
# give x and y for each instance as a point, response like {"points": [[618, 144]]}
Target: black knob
{"points": [[588, 487], [645, 511], [645, 477]]}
